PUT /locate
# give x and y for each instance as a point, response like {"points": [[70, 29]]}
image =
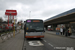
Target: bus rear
{"points": [[34, 29]]}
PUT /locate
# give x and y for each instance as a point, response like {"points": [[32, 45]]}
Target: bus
{"points": [[34, 28]]}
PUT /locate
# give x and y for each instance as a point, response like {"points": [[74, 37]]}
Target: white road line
{"points": [[35, 43], [45, 41], [50, 44]]}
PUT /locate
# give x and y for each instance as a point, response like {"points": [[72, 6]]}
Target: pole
{"points": [[13, 23], [8, 20], [29, 14], [20, 27], [13, 17], [14, 28]]}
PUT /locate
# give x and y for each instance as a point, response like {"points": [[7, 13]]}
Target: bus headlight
{"points": [[26, 33]]}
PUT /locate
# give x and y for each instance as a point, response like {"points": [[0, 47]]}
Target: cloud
{"points": [[26, 2], [40, 9], [54, 7]]}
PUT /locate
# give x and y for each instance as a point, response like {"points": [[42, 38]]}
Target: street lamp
{"points": [[29, 14]]}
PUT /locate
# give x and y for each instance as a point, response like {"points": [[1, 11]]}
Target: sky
{"points": [[35, 9]]}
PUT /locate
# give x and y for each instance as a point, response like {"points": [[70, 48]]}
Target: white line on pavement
{"points": [[50, 44], [44, 40]]}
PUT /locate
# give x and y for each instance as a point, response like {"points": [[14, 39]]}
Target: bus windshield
{"points": [[34, 26]]}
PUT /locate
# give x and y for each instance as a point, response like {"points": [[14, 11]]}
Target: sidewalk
{"points": [[15, 43], [53, 32]]}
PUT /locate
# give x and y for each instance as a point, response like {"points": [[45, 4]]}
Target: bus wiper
{"points": [[32, 30]]}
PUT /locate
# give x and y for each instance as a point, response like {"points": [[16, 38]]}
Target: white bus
{"points": [[34, 28]]}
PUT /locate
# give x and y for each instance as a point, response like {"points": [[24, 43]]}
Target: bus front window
{"points": [[35, 26]]}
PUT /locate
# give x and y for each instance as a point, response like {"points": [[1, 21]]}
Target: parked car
{"points": [[49, 29]]}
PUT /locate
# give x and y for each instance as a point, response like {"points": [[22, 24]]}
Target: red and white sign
{"points": [[11, 12]]}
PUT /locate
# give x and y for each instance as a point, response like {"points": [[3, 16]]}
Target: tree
{"points": [[10, 21], [1, 20]]}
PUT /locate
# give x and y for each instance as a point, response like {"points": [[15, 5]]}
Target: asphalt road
{"points": [[50, 42]]}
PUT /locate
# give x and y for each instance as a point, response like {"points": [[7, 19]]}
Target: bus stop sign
{"points": [[11, 12]]}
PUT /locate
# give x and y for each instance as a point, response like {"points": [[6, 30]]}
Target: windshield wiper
{"points": [[32, 30]]}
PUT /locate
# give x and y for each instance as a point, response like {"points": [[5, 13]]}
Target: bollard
{"points": [[3, 37], [0, 40], [12, 34], [15, 32], [8, 35]]}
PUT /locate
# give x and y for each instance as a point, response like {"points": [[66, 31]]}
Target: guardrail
{"points": [[7, 36]]}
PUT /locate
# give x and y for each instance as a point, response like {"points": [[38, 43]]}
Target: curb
{"points": [[61, 35]]}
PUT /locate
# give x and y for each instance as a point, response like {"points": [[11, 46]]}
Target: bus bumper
{"points": [[34, 36]]}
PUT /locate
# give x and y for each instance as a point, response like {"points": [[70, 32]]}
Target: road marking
{"points": [[35, 43], [45, 41], [50, 44]]}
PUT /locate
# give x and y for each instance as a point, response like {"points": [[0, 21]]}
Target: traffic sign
{"points": [[11, 12]]}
